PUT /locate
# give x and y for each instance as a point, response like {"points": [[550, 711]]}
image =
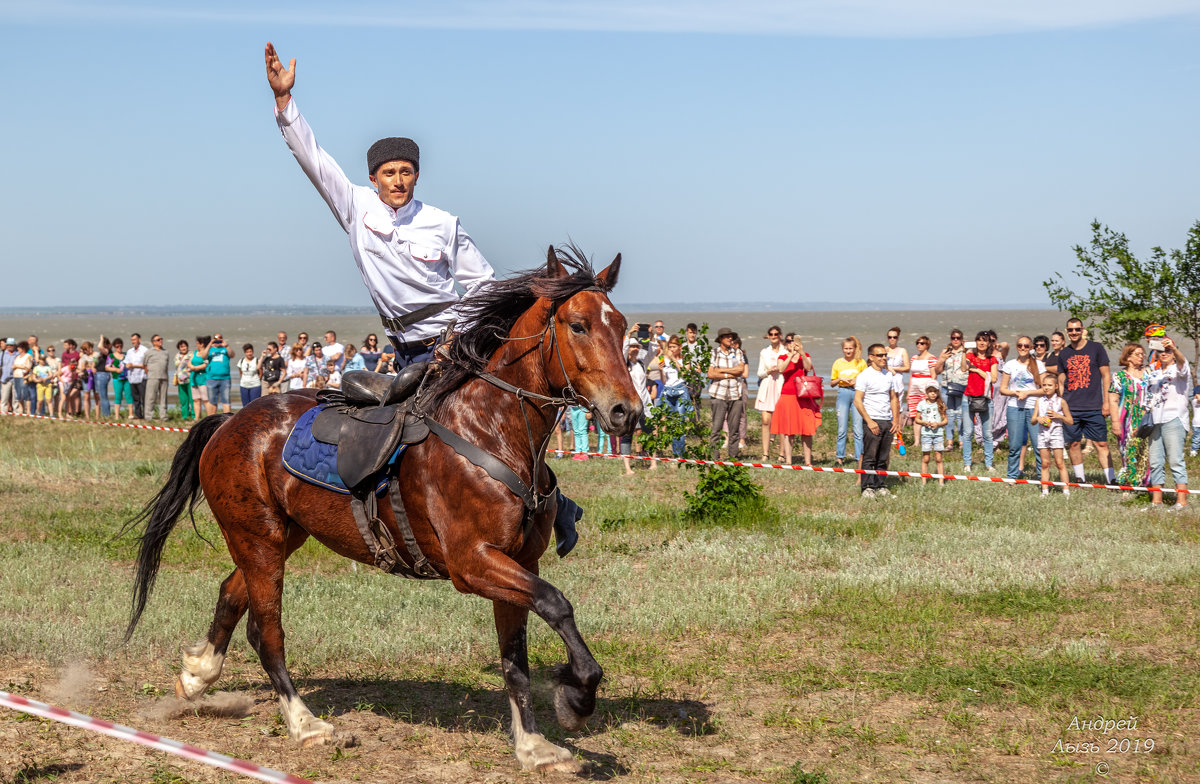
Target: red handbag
{"points": [[810, 387]]}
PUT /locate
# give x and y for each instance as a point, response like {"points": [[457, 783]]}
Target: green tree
{"points": [[723, 493], [1123, 293]]}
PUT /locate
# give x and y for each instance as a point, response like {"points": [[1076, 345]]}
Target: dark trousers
{"points": [[249, 394], [726, 411], [138, 391], [877, 451], [410, 356]]}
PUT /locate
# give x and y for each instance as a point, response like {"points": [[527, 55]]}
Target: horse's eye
{"points": [[577, 328]]}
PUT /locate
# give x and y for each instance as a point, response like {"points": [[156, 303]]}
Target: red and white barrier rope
{"points": [[912, 474], [222, 761], [95, 422], [907, 474]]}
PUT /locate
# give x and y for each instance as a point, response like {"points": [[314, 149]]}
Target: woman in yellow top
{"points": [[845, 371]]}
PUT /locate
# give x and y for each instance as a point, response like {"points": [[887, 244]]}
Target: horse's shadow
{"points": [[462, 707]]}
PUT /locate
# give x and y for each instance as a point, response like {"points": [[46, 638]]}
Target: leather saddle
{"points": [[368, 419]]}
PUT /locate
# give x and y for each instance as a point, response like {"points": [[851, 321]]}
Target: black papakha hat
{"points": [[393, 148]]}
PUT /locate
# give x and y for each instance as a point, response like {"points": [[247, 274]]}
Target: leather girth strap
{"points": [[495, 468], [534, 501], [379, 540]]}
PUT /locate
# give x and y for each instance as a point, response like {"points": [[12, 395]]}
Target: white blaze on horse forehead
{"points": [[605, 310]]}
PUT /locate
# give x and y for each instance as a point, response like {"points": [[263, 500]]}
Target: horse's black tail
{"points": [[160, 514]]}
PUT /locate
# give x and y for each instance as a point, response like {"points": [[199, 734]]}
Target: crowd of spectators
{"points": [[112, 380], [1052, 399]]}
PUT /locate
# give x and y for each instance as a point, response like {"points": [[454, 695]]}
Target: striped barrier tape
{"points": [[905, 474], [95, 422], [25, 705]]}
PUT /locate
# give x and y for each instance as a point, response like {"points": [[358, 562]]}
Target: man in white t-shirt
{"points": [[333, 350], [878, 403]]}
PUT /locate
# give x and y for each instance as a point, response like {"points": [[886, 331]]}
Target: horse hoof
{"points": [[568, 719], [341, 739], [180, 692], [566, 766], [537, 753]]}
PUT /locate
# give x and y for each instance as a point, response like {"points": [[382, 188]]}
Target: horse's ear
{"points": [[608, 276], [554, 267]]}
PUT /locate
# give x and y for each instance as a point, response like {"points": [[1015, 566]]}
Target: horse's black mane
{"points": [[492, 310]]}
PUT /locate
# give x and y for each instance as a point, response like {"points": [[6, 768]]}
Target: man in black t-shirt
{"points": [[270, 368], [1084, 376]]}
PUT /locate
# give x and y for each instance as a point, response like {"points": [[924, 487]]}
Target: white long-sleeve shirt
{"points": [[409, 258]]}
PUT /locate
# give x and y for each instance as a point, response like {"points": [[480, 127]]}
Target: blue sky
{"points": [[757, 151]]}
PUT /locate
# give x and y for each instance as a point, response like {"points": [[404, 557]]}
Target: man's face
{"points": [[282, 338], [135, 341], [330, 338], [658, 328], [1075, 334], [249, 353], [396, 181], [878, 358], [691, 335], [157, 341], [726, 342]]}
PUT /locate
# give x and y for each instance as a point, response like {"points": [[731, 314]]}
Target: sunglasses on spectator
{"points": [[922, 342], [893, 337], [773, 334], [1024, 345], [1074, 329], [879, 356]]}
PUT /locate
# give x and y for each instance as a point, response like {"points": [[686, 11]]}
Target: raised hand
{"points": [[281, 79]]}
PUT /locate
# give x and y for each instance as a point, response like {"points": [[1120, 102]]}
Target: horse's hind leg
{"points": [[263, 572], [533, 751], [203, 661]]}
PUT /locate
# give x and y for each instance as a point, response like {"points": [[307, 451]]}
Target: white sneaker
{"points": [[1152, 508], [884, 492], [1176, 507], [868, 493]]}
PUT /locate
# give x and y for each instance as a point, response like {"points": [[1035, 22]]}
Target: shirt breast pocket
{"points": [[432, 260]]}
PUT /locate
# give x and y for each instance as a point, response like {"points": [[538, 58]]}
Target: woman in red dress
{"points": [[796, 416]]}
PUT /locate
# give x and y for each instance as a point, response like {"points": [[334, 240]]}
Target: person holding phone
{"points": [[1168, 380], [218, 370]]}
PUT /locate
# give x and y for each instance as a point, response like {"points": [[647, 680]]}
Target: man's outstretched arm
{"points": [[322, 170]]}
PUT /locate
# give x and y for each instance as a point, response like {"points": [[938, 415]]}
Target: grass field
{"points": [[945, 635]]}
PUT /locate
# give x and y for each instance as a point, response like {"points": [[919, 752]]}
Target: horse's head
{"points": [[589, 340]]}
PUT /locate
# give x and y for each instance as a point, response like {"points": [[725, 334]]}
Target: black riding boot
{"points": [[565, 534]]}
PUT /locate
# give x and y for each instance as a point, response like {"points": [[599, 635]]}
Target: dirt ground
{"points": [[441, 733]]}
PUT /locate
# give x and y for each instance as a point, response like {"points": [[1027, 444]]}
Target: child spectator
{"points": [[44, 377], [931, 419], [333, 378], [1050, 413], [579, 425], [182, 378]]}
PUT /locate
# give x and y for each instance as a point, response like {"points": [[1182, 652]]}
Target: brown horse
{"points": [[550, 332]]}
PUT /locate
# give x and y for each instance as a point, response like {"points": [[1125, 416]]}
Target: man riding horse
{"points": [[409, 253]]}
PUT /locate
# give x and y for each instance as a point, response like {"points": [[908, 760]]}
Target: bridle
{"points": [[569, 397]]}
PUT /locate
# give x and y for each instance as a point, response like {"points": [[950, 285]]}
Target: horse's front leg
{"points": [[533, 751], [494, 575]]}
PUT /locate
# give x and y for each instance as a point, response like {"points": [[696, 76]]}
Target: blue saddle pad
{"points": [[316, 463]]}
